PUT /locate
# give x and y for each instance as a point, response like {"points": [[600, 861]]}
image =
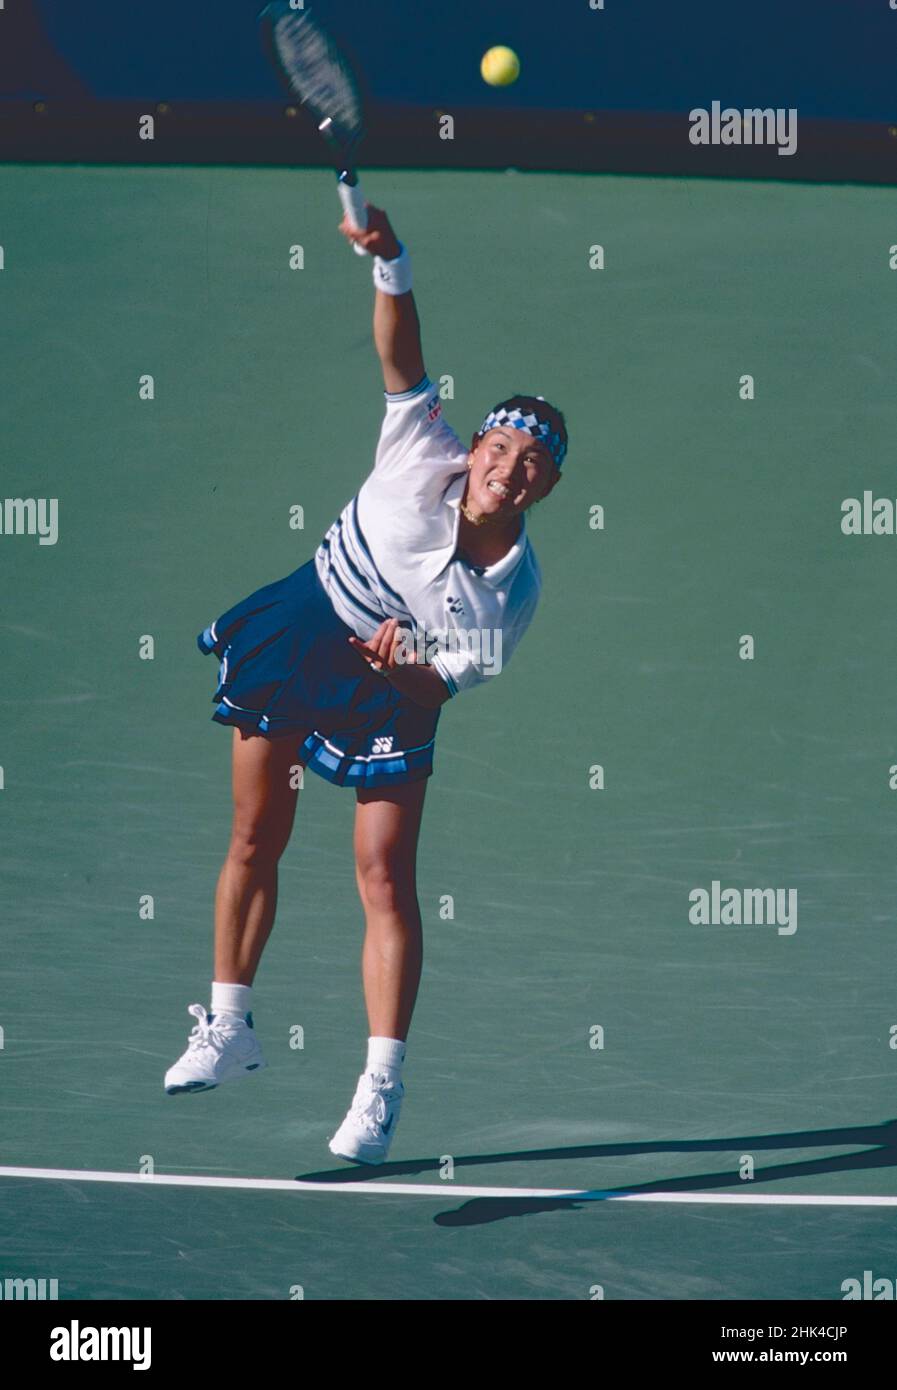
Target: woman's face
{"points": [[509, 470]]}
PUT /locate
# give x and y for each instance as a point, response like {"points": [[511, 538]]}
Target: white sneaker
{"points": [[221, 1048], [367, 1131]]}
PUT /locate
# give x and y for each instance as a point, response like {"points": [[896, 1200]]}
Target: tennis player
{"points": [[420, 591]]}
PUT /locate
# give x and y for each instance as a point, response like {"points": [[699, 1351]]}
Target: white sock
{"points": [[231, 999], [386, 1056]]}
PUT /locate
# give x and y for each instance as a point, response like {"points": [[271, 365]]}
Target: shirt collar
{"points": [[496, 574]]}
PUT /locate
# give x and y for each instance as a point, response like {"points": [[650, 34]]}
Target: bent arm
{"points": [[422, 684]]}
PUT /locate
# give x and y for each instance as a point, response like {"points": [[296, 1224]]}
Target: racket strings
{"points": [[317, 76]]}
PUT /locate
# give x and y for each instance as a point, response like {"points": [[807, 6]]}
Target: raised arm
{"points": [[396, 325]]}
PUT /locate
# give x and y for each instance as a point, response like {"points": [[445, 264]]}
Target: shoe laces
{"points": [[370, 1106], [206, 1033]]}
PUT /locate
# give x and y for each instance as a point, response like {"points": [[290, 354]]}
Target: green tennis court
{"points": [[570, 904]]}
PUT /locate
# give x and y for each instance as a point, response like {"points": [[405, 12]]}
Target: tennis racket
{"points": [[317, 74]]}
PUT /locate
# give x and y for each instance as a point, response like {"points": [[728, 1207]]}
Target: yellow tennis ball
{"points": [[500, 67]]}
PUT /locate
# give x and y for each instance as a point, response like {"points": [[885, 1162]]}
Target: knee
{"points": [[383, 889], [253, 847]]}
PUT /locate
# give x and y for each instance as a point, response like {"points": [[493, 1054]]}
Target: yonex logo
{"points": [[434, 408], [454, 604], [382, 745]]}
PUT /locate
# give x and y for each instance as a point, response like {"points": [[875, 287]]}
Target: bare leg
{"points": [[246, 897], [387, 823]]}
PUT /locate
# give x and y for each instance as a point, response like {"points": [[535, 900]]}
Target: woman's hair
{"points": [[538, 406]]}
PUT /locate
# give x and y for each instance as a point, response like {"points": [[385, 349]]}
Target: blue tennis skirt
{"points": [[288, 669]]}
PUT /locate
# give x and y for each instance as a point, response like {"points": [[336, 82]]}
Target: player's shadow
{"points": [[881, 1152]]}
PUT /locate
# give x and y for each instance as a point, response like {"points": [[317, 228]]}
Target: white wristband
{"points": [[393, 277]]}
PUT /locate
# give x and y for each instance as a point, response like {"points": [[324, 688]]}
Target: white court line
{"points": [[449, 1189]]}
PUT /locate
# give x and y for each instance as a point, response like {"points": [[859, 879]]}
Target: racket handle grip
{"points": [[352, 200]]}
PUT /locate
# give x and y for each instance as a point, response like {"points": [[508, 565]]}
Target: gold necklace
{"points": [[474, 520]]}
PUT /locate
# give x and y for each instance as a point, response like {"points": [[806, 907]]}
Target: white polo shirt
{"points": [[390, 553]]}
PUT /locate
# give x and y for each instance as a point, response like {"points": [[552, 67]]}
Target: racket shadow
{"points": [[879, 1151]]}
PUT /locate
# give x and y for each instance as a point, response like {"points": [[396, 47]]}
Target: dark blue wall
{"points": [[834, 58]]}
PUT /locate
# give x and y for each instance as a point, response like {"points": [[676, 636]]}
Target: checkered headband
{"points": [[533, 423]]}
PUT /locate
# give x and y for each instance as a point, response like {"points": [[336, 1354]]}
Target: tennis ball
{"points": [[500, 67]]}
